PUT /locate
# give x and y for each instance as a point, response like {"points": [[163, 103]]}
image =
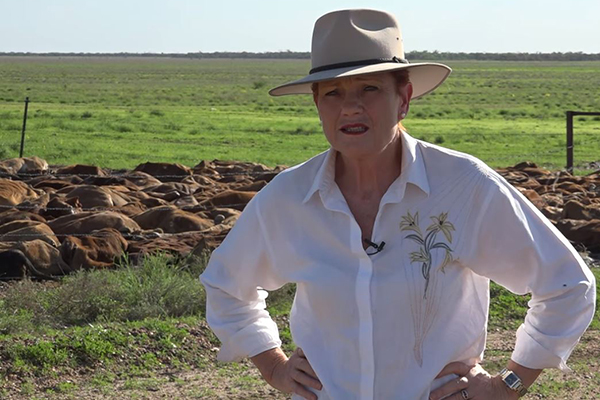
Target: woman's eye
{"points": [[370, 88], [331, 93]]}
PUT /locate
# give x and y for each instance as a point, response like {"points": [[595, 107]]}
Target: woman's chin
{"points": [[358, 152]]}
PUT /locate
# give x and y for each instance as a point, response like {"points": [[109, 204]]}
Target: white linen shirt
{"points": [[383, 326]]}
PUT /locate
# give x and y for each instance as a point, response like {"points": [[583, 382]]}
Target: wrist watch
{"points": [[513, 381]]}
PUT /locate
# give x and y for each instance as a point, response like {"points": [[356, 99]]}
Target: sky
{"points": [[182, 26]]}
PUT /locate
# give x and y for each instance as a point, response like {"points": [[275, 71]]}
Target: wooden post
{"points": [[570, 141], [24, 126]]}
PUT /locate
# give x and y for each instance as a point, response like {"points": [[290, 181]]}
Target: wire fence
{"points": [[206, 205], [226, 112]]}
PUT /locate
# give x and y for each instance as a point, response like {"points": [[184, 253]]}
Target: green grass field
{"points": [[118, 112]]}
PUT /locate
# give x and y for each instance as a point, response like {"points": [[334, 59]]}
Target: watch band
{"points": [[513, 381]]}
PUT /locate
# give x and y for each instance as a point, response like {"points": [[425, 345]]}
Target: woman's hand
{"points": [[473, 383], [290, 375]]}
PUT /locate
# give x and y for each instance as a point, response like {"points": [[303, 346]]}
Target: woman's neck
{"points": [[368, 177]]}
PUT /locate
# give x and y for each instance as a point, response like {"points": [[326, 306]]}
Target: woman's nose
{"points": [[352, 104]]}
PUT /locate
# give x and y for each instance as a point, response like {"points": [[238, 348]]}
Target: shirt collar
{"points": [[413, 171], [325, 176], [413, 166]]}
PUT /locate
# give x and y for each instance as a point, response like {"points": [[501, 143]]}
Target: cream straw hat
{"points": [[356, 42]]}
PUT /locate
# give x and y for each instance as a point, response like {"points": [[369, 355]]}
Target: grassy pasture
{"points": [[118, 112]]}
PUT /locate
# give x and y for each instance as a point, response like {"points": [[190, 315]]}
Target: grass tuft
{"points": [[154, 289]]}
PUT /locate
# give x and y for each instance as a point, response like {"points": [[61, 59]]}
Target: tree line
{"points": [[413, 55]]}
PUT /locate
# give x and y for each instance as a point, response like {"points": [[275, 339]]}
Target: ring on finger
{"points": [[464, 394]]}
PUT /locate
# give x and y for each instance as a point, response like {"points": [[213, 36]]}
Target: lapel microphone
{"points": [[377, 247]]}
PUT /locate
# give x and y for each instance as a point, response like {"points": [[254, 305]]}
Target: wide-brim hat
{"points": [[357, 42]]}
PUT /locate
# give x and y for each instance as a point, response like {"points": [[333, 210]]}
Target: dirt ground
{"points": [[242, 381]]}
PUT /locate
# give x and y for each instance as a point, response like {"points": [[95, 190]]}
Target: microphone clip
{"points": [[377, 247]]}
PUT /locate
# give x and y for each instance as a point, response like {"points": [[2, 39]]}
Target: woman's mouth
{"points": [[354, 129]]}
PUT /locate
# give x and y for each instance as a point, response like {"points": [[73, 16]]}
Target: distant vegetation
{"points": [[413, 55]]}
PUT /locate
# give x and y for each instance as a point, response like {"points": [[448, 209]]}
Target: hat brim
{"points": [[425, 77]]}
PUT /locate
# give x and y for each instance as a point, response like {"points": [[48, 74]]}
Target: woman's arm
{"points": [[235, 301], [513, 244]]}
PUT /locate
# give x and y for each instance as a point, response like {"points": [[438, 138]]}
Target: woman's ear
{"points": [[405, 93]]}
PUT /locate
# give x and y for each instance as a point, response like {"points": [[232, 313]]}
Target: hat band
{"points": [[360, 63]]}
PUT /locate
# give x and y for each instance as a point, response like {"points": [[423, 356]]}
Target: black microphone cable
{"points": [[377, 247]]}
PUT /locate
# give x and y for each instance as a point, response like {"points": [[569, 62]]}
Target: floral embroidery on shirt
{"points": [[428, 243], [425, 308]]}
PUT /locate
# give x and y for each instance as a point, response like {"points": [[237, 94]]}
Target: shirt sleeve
{"points": [[238, 272], [513, 244]]}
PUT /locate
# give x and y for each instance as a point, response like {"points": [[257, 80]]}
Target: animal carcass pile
{"points": [[54, 220], [572, 203]]}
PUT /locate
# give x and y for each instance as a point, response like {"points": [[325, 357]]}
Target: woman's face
{"points": [[360, 114]]}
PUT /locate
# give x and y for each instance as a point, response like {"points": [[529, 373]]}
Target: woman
{"points": [[391, 242]]}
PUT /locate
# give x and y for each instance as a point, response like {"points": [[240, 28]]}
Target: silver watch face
{"points": [[511, 380]]}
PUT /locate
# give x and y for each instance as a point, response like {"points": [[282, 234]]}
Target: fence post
{"points": [[24, 126], [570, 141]]}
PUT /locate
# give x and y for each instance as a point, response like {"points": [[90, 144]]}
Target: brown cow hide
{"points": [[141, 179], [533, 197], [165, 172], [15, 192], [583, 232], [132, 209], [97, 251], [59, 206], [252, 187], [89, 221], [184, 188], [34, 231], [25, 165], [178, 244], [186, 202], [230, 199], [225, 216], [80, 169], [575, 210], [552, 213], [553, 199], [96, 196], [171, 220], [110, 181], [17, 224], [17, 215], [45, 259]]}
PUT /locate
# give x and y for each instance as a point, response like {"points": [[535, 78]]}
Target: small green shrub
{"points": [[42, 355], [156, 288], [258, 84]]}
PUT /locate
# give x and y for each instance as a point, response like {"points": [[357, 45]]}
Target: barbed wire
{"points": [[134, 235], [198, 207], [138, 177], [130, 174]]}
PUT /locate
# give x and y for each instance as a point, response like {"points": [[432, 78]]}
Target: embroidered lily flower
{"points": [[441, 224], [419, 256], [411, 223], [447, 260]]}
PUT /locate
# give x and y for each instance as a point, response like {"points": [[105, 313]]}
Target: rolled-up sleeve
{"points": [[235, 279], [514, 245]]}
